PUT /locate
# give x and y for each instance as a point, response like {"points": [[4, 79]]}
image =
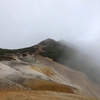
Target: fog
{"points": [[24, 23]]}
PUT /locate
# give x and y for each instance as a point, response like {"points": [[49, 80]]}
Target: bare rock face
{"points": [[45, 78]]}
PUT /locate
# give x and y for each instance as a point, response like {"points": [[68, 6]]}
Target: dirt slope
{"points": [[70, 77], [41, 95], [36, 77]]}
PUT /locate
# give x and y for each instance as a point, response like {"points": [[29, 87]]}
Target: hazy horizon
{"points": [[24, 23]]}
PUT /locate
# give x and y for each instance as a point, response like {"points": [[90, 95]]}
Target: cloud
{"points": [[27, 22]]}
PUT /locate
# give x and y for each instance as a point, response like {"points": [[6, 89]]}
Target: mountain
{"points": [[69, 55], [41, 72]]}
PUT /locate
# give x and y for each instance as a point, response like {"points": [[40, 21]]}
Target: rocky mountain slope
{"points": [[71, 56], [30, 76]]}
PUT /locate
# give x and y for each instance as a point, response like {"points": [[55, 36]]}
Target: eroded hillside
{"points": [[44, 77], [28, 75]]}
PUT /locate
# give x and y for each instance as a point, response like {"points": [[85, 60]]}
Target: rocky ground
{"points": [[42, 95], [34, 77]]}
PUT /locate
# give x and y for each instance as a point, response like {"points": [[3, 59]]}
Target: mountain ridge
{"points": [[32, 72], [59, 52]]}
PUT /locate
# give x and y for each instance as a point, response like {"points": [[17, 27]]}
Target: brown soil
{"points": [[47, 71], [47, 85], [41, 95]]}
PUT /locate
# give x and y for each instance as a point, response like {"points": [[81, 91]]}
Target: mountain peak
{"points": [[47, 41]]}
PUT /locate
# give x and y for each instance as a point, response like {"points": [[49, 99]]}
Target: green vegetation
{"points": [[23, 50], [52, 52], [5, 53], [56, 51]]}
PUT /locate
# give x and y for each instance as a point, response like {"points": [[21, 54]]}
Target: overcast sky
{"points": [[27, 22]]}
